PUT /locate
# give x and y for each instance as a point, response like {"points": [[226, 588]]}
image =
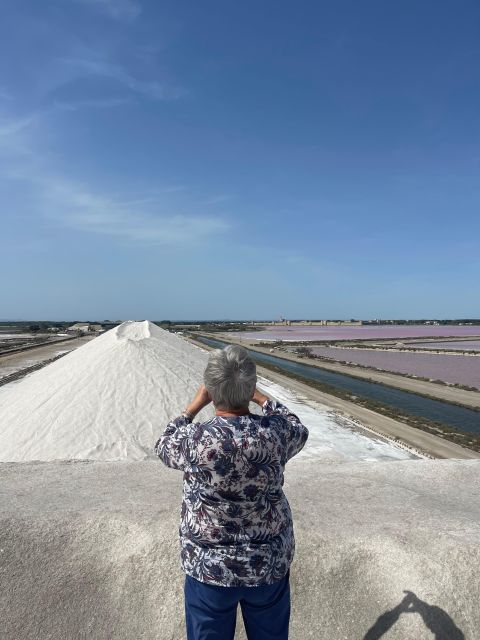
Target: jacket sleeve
{"points": [[297, 433], [175, 446]]}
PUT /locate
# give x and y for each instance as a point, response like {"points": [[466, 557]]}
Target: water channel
{"points": [[461, 418]]}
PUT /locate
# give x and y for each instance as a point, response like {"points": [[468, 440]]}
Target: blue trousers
{"points": [[211, 611]]}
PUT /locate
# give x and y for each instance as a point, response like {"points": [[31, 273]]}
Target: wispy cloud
{"points": [[67, 203], [4, 94], [175, 188], [74, 206], [90, 63], [116, 9], [218, 199], [108, 103], [11, 126]]}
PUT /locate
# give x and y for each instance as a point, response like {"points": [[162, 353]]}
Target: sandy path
{"points": [[448, 394], [17, 361]]}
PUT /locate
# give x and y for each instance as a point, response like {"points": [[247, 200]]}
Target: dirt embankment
{"points": [[40, 353]]}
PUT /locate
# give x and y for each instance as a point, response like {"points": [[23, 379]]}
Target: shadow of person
{"points": [[436, 619]]}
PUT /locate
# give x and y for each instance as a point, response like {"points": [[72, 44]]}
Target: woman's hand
{"points": [[259, 397], [202, 399]]}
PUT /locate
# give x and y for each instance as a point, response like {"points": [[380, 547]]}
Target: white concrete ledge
{"points": [[90, 550]]}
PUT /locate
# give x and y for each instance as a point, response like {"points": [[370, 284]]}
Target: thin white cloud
{"points": [[67, 203], [218, 199], [77, 62], [4, 94], [108, 103], [89, 63], [11, 126], [174, 188], [15, 143], [70, 205], [117, 9]]}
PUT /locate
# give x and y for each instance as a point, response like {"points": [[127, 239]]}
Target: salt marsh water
{"points": [[333, 438], [466, 420], [463, 345], [365, 332], [456, 369]]}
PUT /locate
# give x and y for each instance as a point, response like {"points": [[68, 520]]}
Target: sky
{"points": [[239, 160]]}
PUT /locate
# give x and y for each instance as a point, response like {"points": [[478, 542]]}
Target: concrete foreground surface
{"points": [[384, 550]]}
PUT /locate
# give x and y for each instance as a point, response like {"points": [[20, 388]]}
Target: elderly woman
{"points": [[236, 530]]}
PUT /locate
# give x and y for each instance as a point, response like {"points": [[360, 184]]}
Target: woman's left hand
{"points": [[202, 399]]}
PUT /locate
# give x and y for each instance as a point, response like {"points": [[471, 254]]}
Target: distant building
{"points": [[186, 326], [85, 327], [338, 323]]}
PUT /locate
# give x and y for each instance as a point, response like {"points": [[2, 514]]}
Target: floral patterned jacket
{"points": [[236, 525]]}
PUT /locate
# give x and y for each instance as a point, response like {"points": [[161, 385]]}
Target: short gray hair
{"points": [[230, 377]]}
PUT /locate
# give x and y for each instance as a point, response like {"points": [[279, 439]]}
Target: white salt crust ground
{"points": [[112, 398], [7, 369], [90, 550]]}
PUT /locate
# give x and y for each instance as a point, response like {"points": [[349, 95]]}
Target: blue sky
{"points": [[251, 159]]}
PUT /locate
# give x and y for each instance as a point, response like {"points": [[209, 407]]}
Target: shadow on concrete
{"points": [[436, 619]]}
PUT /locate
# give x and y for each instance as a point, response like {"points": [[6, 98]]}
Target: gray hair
{"points": [[230, 377]]}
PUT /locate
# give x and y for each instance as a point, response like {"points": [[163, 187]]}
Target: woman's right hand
{"points": [[202, 399], [259, 397]]}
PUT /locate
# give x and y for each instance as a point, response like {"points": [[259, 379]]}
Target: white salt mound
{"points": [[108, 400], [112, 398]]}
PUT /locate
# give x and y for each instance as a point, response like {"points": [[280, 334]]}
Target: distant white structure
{"points": [[86, 327]]}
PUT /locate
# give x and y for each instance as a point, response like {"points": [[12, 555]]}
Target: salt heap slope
{"points": [[108, 400]]}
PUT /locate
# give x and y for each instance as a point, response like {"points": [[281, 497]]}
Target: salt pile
{"points": [[108, 400], [112, 398]]}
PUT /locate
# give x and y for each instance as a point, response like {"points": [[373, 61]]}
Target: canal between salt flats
{"points": [[463, 419]]}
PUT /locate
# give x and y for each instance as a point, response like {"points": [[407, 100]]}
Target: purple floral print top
{"points": [[236, 526]]}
